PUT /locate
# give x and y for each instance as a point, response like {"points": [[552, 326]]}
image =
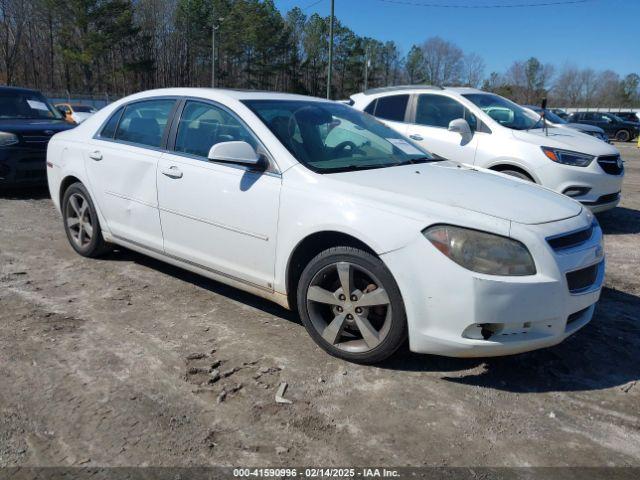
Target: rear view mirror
{"points": [[239, 153], [461, 126]]}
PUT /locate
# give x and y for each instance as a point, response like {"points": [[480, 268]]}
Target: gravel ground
{"points": [[102, 361]]}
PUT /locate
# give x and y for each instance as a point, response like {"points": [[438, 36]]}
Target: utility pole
{"points": [[214, 27], [329, 73], [366, 67]]}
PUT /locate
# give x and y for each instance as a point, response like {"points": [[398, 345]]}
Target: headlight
{"points": [[480, 251], [567, 157], [7, 139]]}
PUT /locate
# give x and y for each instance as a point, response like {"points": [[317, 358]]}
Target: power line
{"points": [[495, 5], [311, 5]]}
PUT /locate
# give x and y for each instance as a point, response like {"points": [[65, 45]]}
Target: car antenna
{"points": [[544, 116]]}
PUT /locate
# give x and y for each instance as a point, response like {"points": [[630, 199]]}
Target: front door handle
{"points": [[172, 172], [417, 137], [96, 155]]}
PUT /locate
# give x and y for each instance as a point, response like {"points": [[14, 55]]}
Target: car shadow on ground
{"points": [[28, 193], [620, 220], [604, 354], [123, 254]]}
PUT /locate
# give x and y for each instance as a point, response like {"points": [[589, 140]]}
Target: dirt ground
{"points": [[101, 363]]}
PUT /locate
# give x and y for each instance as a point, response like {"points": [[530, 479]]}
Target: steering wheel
{"points": [[347, 144]]}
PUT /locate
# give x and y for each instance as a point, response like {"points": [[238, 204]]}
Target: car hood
{"points": [[584, 127], [424, 186], [566, 139], [33, 125]]}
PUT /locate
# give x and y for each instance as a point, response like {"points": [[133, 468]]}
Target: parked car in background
{"points": [[27, 123], [628, 116], [76, 112], [486, 130], [614, 126], [560, 112], [553, 119], [326, 210]]}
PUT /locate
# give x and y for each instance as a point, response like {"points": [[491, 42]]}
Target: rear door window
{"points": [[392, 107], [144, 122]]}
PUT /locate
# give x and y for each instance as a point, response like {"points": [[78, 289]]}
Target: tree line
{"points": [[117, 47]]}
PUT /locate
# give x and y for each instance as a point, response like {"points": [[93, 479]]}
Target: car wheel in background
{"points": [[517, 174], [81, 222], [351, 305], [623, 135]]}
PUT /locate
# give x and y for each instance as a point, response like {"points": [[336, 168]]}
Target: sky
{"points": [[600, 34]]}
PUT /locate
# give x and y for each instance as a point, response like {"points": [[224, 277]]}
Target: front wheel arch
{"points": [[506, 166], [308, 248]]}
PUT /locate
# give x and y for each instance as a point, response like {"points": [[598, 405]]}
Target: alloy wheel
{"points": [[349, 307], [79, 221]]}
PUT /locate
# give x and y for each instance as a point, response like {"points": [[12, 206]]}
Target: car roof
{"points": [[220, 93], [419, 88], [5, 88]]}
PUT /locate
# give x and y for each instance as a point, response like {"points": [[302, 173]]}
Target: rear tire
{"points": [[351, 306], [81, 222], [623, 135]]}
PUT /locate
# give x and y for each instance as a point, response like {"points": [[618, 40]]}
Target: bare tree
{"points": [[472, 70], [442, 62]]}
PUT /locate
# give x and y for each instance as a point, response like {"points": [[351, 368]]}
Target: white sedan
{"points": [[324, 209]]}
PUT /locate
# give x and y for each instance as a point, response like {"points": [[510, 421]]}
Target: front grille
{"points": [[609, 163], [36, 140], [577, 315], [570, 240], [582, 279]]}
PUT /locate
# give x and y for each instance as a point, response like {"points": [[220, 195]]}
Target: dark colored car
{"points": [[628, 116], [555, 119], [27, 122], [559, 112], [614, 126]]}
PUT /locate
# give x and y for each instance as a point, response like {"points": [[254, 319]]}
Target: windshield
{"points": [[331, 137], [83, 109], [503, 111], [28, 105]]}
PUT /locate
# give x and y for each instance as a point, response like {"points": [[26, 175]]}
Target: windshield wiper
{"points": [[415, 161], [352, 167]]}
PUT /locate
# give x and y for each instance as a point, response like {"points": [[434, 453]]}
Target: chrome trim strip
{"points": [[219, 225], [124, 197], [193, 264]]}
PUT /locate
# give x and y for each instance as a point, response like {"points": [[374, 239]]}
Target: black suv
{"points": [[614, 126], [628, 116], [27, 122]]}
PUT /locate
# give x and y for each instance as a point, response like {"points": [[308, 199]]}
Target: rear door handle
{"points": [[417, 137], [96, 155], [172, 172]]}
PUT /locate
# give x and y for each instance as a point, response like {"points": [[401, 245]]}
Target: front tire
{"points": [[351, 305], [81, 222], [623, 135]]}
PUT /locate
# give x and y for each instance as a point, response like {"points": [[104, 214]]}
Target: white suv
{"points": [[489, 131]]}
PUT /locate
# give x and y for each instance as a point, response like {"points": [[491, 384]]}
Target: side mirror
{"points": [[461, 126], [239, 153]]}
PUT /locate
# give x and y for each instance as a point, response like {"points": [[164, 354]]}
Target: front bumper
{"points": [[23, 166], [448, 307], [603, 189]]}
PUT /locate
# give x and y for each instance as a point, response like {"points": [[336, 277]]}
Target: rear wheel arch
{"points": [[308, 248], [64, 186]]}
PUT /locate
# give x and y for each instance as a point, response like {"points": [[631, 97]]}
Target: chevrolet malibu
{"points": [[327, 211]]}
